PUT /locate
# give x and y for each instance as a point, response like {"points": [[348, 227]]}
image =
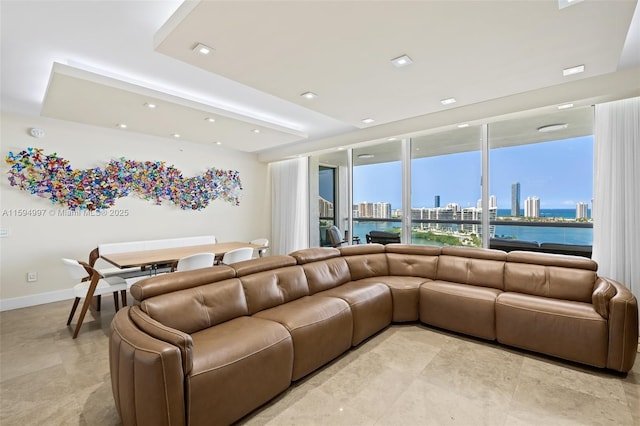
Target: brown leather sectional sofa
{"points": [[211, 345]]}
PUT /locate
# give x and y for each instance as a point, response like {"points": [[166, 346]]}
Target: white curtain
{"points": [[616, 203], [290, 205]]}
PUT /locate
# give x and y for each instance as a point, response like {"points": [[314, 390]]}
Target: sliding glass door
{"points": [[377, 189]]}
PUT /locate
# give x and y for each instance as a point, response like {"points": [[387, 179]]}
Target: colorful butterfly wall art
{"points": [[52, 177]]}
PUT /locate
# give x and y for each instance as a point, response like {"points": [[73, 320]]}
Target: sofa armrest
{"points": [[170, 335], [147, 379], [623, 328], [602, 295]]}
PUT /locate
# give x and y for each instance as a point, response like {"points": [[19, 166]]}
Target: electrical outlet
{"points": [[32, 277]]}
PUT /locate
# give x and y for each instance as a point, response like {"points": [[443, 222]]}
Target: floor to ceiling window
{"points": [[539, 185], [542, 177], [445, 188]]}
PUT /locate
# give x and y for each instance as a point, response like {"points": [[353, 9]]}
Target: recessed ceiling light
{"points": [[573, 70], [463, 125], [552, 127], [368, 120], [176, 135], [210, 119], [392, 139], [401, 61], [363, 156], [218, 143], [340, 148], [121, 126], [150, 105], [309, 95], [256, 130], [565, 106], [202, 49], [448, 101]]}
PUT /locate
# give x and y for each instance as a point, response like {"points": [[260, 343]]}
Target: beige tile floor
{"points": [[405, 375]]}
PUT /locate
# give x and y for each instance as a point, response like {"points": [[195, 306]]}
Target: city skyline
{"points": [[382, 210], [559, 173]]}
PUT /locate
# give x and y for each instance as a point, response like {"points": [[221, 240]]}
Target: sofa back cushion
{"points": [[197, 308], [274, 287], [260, 264], [366, 260], [412, 265], [326, 274], [482, 267], [412, 260], [548, 275], [314, 254], [169, 283]]}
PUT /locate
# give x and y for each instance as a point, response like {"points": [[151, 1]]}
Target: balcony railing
{"points": [[543, 236]]}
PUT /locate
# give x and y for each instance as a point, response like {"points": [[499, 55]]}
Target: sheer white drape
{"points": [[290, 205], [616, 191]]}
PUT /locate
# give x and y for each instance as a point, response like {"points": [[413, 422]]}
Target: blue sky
{"points": [[326, 184], [560, 173]]}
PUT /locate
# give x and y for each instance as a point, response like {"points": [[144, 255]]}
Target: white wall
{"points": [[37, 243]]}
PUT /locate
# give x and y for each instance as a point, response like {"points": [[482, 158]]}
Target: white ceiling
{"points": [[494, 57]]}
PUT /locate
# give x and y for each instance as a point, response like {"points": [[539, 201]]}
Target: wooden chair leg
{"points": [[123, 296], [115, 300], [83, 312], [87, 302], [73, 310]]}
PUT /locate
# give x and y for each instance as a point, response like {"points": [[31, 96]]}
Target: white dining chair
{"points": [[261, 242], [237, 255], [196, 261], [90, 279]]}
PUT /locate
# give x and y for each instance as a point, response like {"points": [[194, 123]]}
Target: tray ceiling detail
{"points": [[341, 51], [77, 95]]}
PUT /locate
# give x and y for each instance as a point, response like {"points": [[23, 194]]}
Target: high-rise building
{"points": [[365, 209], [532, 207], [515, 199], [436, 201], [382, 210], [493, 202], [374, 210], [325, 208], [454, 206], [582, 210], [471, 213]]}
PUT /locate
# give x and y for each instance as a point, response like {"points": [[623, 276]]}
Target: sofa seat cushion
{"points": [[237, 366], [371, 307], [321, 329], [567, 329], [404, 294], [463, 308]]}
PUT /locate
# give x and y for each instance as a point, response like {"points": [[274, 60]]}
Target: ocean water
{"points": [[559, 213], [542, 234]]}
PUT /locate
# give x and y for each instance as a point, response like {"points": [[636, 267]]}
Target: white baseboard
{"points": [[35, 299]]}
